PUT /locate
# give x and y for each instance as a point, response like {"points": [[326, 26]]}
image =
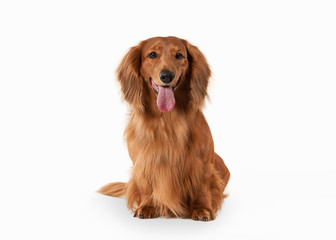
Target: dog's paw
{"points": [[202, 214], [145, 212]]}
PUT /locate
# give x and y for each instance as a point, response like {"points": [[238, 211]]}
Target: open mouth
{"points": [[165, 96], [156, 87]]}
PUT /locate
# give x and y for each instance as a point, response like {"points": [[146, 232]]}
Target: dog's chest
{"points": [[157, 140], [159, 155]]}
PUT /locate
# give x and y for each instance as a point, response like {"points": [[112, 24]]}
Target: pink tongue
{"points": [[165, 100]]}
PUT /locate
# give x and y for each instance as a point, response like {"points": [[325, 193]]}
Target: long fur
{"points": [[117, 189], [176, 172]]}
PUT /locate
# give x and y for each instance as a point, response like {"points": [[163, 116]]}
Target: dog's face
{"points": [[164, 63], [167, 70]]}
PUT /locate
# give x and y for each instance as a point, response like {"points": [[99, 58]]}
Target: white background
{"points": [[272, 115]]}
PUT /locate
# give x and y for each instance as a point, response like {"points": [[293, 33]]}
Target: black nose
{"points": [[166, 76]]}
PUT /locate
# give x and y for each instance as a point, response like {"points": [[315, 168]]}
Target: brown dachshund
{"points": [[176, 172]]}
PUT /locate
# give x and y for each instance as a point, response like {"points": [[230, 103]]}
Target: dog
{"points": [[176, 172]]}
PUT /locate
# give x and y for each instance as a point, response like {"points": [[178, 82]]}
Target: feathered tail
{"points": [[117, 189]]}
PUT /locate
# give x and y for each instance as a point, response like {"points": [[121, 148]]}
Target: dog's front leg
{"points": [[200, 206], [139, 201]]}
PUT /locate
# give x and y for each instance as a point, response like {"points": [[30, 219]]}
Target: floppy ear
{"points": [[129, 77], [198, 76]]}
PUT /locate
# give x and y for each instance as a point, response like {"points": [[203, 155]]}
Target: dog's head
{"points": [[165, 70]]}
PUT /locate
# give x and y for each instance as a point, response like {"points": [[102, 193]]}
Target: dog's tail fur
{"points": [[117, 189]]}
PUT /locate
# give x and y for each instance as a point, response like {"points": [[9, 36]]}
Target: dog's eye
{"points": [[152, 55], [179, 56]]}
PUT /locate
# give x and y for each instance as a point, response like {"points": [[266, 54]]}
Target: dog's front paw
{"points": [[145, 212], [202, 214]]}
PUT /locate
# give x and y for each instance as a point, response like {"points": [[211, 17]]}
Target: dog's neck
{"points": [[173, 125]]}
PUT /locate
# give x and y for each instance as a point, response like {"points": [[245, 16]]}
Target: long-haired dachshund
{"points": [[176, 172]]}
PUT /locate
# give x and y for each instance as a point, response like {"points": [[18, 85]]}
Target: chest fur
{"points": [[159, 151]]}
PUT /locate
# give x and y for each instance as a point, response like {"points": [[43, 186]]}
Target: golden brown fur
{"points": [[176, 172]]}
